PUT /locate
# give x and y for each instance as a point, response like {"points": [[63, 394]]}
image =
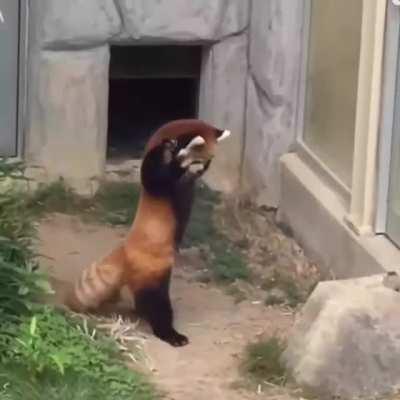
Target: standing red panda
{"points": [[175, 156]]}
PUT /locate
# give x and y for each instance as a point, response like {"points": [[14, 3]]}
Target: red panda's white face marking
{"points": [[198, 152]]}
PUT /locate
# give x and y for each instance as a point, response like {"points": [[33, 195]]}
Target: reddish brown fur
{"points": [[148, 252]]}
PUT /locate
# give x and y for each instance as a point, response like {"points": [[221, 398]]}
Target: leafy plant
{"points": [[44, 353], [49, 344], [20, 281]]}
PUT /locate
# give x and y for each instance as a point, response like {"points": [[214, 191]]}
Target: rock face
{"points": [[79, 23], [68, 136], [222, 103], [248, 82], [346, 342], [275, 44], [182, 20]]}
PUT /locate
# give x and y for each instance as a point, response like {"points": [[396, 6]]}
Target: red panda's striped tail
{"points": [[98, 284]]}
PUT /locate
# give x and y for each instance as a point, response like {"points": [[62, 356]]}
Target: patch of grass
{"points": [[229, 265], [45, 354], [287, 285], [55, 197], [49, 352], [262, 361], [20, 281], [114, 203], [201, 228], [226, 262]]}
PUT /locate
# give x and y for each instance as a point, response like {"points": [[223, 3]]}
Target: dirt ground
{"points": [[218, 328]]}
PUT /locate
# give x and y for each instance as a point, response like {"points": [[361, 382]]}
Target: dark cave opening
{"points": [[149, 86]]}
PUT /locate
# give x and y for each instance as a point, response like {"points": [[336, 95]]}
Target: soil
{"points": [[218, 329]]}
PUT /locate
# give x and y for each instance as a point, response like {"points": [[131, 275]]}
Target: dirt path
{"points": [[217, 328]]}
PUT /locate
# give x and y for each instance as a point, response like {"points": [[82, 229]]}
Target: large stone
{"points": [[182, 20], [68, 132], [78, 23], [222, 103], [275, 49], [346, 341]]}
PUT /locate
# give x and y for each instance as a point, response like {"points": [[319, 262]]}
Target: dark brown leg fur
{"points": [[154, 305]]}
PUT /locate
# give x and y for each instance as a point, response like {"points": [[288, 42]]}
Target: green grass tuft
{"points": [[229, 266], [114, 203], [49, 353], [263, 361], [226, 262], [54, 197]]}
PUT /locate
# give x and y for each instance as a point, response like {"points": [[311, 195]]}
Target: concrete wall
{"points": [[249, 81], [273, 81], [66, 126]]}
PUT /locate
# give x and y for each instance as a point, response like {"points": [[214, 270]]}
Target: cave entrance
{"points": [[149, 85]]}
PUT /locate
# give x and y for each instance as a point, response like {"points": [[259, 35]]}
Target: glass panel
{"points": [[393, 218], [332, 74]]}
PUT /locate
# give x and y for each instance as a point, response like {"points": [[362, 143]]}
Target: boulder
{"points": [[78, 23], [182, 20], [346, 340]]}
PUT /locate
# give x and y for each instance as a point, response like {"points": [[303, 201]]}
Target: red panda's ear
{"points": [[222, 134]]}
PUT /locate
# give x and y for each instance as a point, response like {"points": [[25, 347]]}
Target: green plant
{"points": [[48, 344], [226, 262], [43, 352], [116, 202], [54, 197], [263, 361], [20, 281], [228, 265]]}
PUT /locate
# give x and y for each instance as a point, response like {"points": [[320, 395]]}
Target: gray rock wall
{"points": [[182, 20], [275, 45], [70, 115], [69, 62], [249, 80], [222, 103], [78, 23]]}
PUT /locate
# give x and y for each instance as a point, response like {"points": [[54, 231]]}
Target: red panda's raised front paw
{"points": [[169, 150]]}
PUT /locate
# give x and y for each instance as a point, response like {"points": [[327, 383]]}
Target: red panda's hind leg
{"points": [[154, 305]]}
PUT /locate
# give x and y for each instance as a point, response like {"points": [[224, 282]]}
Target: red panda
{"points": [[176, 155]]}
